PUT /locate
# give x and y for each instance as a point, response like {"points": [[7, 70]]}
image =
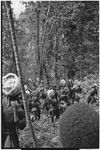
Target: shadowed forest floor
{"points": [[46, 132]]}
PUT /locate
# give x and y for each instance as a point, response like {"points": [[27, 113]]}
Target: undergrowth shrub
{"points": [[79, 127]]}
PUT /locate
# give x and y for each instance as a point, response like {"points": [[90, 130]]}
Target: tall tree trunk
{"points": [[81, 29], [55, 55], [38, 36], [15, 50], [42, 52], [80, 37]]}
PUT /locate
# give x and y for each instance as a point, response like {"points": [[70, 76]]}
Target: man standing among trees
{"points": [[13, 116]]}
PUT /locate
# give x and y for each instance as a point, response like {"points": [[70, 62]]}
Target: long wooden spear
{"points": [[15, 51]]}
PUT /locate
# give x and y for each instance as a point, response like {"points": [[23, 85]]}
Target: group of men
{"points": [[54, 100]]}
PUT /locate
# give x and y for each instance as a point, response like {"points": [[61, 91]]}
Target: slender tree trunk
{"points": [[15, 50], [42, 53], [46, 73], [44, 66], [80, 38], [38, 38], [55, 55], [81, 43]]}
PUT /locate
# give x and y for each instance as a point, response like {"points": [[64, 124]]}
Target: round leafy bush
{"points": [[79, 127]]}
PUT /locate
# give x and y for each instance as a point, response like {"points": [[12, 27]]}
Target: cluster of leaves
{"points": [[87, 83]]}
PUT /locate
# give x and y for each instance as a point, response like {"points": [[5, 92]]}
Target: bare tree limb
{"points": [[48, 9]]}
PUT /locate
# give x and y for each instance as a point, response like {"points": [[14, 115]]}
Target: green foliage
{"points": [[79, 127], [6, 46], [68, 38], [87, 84]]}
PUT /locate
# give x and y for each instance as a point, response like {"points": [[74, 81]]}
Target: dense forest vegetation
{"points": [[55, 40]]}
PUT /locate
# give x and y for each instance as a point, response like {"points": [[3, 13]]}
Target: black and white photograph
{"points": [[50, 74]]}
